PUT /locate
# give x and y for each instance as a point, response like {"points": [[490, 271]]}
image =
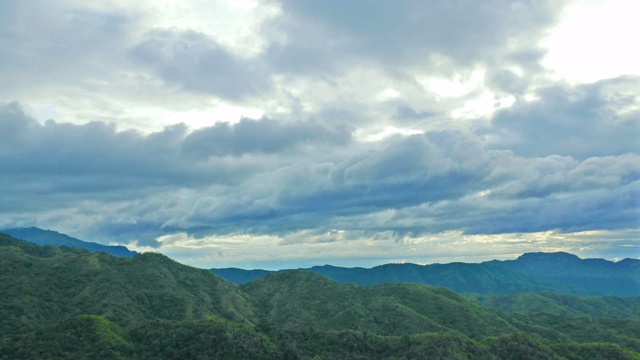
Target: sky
{"points": [[282, 134]]}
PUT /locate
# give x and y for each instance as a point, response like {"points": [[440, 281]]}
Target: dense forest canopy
{"points": [[60, 302]]}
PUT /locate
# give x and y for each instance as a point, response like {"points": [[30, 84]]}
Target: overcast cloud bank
{"points": [[362, 131]]}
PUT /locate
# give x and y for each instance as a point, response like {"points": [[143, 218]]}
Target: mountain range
{"points": [[530, 273], [61, 302], [49, 237], [533, 273]]}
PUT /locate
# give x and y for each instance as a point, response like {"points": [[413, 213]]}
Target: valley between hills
{"points": [[66, 302]]}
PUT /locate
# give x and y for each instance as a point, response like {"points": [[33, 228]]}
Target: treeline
{"points": [[60, 303], [94, 337]]}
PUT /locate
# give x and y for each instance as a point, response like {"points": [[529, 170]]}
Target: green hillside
{"points": [[89, 335], [297, 299], [43, 285], [461, 277], [61, 303], [561, 304]]}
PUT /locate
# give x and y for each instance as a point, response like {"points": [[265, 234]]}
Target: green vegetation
{"points": [[86, 336], [297, 299], [560, 304], [43, 285], [59, 303]]}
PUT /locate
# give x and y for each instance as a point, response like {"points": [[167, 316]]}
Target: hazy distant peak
{"points": [[50, 237], [540, 256]]}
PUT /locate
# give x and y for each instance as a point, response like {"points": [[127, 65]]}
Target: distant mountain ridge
{"points": [[532, 272], [68, 303], [538, 272], [49, 237]]}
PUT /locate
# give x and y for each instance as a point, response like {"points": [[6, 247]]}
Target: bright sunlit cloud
{"points": [[595, 39], [305, 249]]}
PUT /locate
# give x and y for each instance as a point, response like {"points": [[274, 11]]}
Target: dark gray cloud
{"points": [[196, 62], [261, 136], [326, 35], [579, 121], [67, 166], [412, 159], [14, 126], [130, 159], [44, 43], [404, 172], [272, 177], [594, 209], [429, 183], [507, 81], [407, 113], [329, 77], [438, 172]]}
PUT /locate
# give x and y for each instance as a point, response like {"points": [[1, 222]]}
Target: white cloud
{"points": [[349, 248], [595, 41]]}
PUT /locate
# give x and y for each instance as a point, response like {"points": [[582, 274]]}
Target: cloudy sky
{"points": [[278, 134]]}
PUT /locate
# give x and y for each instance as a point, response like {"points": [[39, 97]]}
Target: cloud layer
{"points": [[295, 127]]}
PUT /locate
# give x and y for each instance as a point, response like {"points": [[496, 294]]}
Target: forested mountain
{"points": [[41, 285], [50, 237], [59, 302], [240, 276], [297, 299], [560, 304], [586, 276], [533, 273]]}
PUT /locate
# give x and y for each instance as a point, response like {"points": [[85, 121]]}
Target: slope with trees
{"points": [[60, 302]]}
